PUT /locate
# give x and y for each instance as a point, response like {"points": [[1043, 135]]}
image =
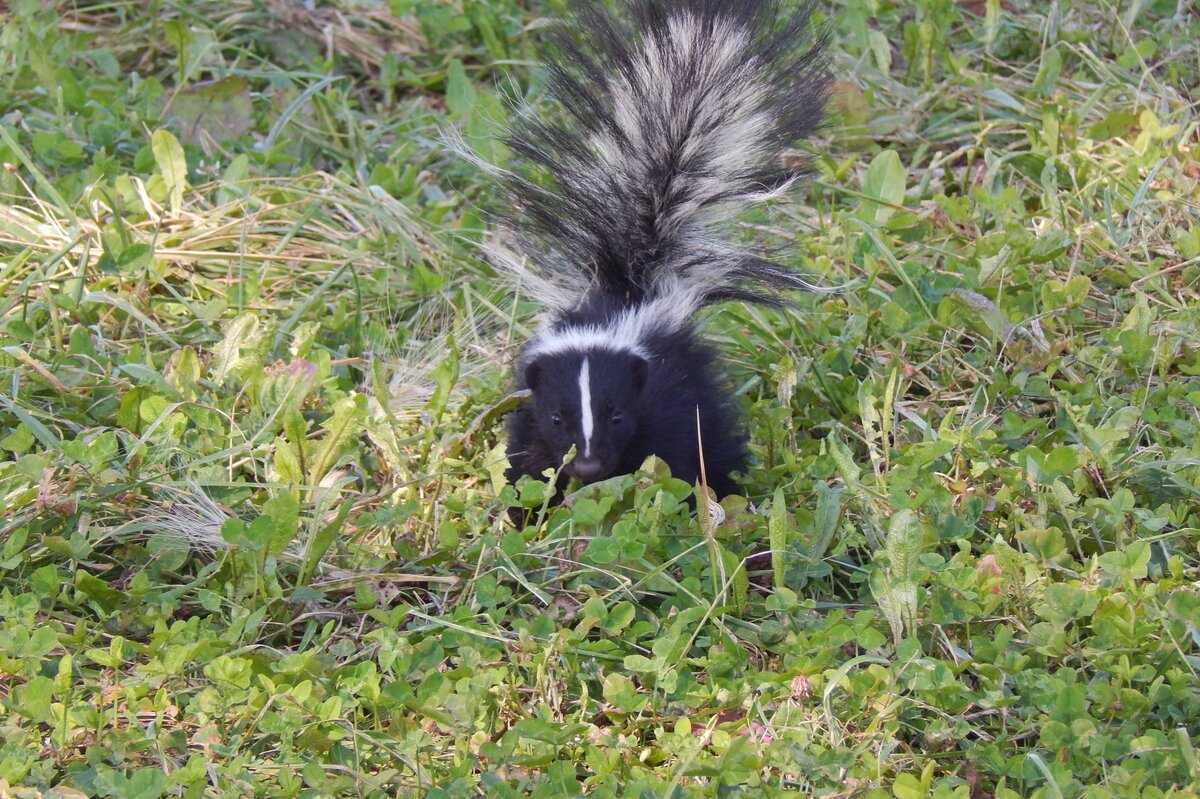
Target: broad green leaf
{"points": [[284, 513], [1127, 563], [1063, 603], [242, 350], [18, 441], [184, 371], [557, 734], [33, 699], [643, 664], [341, 429], [146, 783], [321, 542], [881, 49], [884, 181], [991, 23], [603, 550], [825, 520], [1114, 125], [904, 543], [105, 596], [777, 535], [979, 314], [129, 410], [460, 93], [844, 459], [172, 165], [237, 534], [897, 600], [1046, 80], [286, 462], [217, 110], [620, 691], [619, 617], [894, 583], [994, 268], [46, 581]]}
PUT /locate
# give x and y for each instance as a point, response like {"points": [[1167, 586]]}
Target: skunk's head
{"points": [[590, 399]]}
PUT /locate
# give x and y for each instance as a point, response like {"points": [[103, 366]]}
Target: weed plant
{"points": [[255, 538]]}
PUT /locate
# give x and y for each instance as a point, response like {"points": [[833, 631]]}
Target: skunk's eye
{"points": [[617, 417], [556, 419]]}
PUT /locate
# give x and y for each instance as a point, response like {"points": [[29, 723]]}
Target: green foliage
{"points": [[255, 534]]}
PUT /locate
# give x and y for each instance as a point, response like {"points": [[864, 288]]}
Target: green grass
{"points": [[252, 378]]}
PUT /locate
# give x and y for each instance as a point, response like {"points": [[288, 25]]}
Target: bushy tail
{"points": [[676, 115]]}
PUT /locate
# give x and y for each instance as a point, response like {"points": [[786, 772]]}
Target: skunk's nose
{"points": [[587, 469]]}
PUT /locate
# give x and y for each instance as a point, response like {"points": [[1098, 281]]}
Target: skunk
{"points": [[674, 116]]}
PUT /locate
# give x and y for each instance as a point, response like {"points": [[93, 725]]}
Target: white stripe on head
{"points": [[585, 402], [584, 338], [625, 332]]}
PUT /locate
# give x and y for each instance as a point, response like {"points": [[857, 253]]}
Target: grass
{"points": [[252, 379]]}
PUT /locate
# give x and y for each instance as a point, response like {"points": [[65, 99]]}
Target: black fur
{"points": [[674, 115], [658, 399]]}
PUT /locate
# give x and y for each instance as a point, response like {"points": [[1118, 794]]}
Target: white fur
{"points": [[585, 408], [699, 77], [560, 292], [693, 84], [583, 338], [626, 332]]}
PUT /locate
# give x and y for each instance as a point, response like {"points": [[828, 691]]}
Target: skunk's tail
{"points": [[675, 116]]}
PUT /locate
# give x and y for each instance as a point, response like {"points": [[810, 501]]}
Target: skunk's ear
{"points": [[639, 370], [532, 373]]}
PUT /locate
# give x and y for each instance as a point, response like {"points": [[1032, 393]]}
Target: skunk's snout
{"points": [[587, 469]]}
